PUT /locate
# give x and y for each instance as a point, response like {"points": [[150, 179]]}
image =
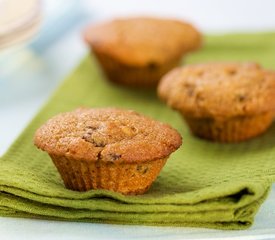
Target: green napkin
{"points": [[203, 184]]}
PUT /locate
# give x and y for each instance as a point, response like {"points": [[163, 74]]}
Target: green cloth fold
{"points": [[203, 184]]}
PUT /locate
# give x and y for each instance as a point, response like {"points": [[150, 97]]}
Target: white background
{"points": [[33, 76]]}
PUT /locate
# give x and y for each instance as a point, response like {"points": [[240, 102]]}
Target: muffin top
{"points": [[107, 134], [219, 90], [143, 41]]}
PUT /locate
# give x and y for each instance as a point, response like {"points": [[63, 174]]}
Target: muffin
{"points": [[139, 51], [108, 148], [225, 102]]}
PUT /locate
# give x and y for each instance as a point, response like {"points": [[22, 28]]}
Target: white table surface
{"points": [[29, 74]]}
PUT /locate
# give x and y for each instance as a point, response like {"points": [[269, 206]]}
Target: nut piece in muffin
{"points": [[108, 148], [226, 102], [139, 51]]}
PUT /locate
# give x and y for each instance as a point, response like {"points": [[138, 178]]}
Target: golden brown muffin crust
{"points": [[108, 134], [219, 89], [143, 41]]}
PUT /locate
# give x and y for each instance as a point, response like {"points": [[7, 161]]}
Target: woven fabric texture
{"points": [[203, 184]]}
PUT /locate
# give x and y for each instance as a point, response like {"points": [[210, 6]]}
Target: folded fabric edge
{"points": [[229, 225], [235, 193], [114, 206], [233, 219]]}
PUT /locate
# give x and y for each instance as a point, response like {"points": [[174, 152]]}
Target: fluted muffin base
{"points": [[126, 178], [134, 76], [235, 129]]}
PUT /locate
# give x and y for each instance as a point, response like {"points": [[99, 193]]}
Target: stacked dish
{"points": [[19, 20]]}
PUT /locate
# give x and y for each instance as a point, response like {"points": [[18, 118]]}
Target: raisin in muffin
{"points": [[113, 149], [138, 51], [226, 102]]}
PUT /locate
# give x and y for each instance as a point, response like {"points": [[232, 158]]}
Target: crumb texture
{"points": [[107, 135], [143, 41], [219, 90]]}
